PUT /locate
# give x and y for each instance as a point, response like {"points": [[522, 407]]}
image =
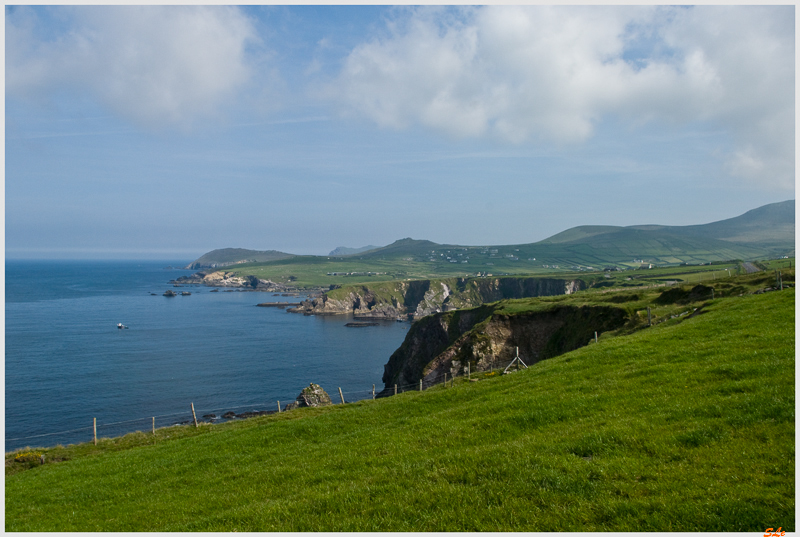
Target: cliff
{"points": [[419, 298], [485, 338]]}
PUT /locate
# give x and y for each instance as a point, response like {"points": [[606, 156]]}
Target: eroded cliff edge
{"points": [[418, 298], [487, 336]]}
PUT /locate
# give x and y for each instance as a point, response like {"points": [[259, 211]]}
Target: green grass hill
{"points": [[231, 256], [687, 425], [344, 250], [773, 223], [763, 233]]}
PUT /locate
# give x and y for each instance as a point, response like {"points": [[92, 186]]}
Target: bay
{"points": [[67, 363]]}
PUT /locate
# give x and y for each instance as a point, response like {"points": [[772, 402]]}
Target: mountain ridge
{"points": [[742, 228], [766, 231]]}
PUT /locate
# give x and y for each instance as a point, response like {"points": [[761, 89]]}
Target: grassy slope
{"points": [[768, 226], [234, 255], [684, 426]]}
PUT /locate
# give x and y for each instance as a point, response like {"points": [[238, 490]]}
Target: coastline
{"points": [[67, 362]]}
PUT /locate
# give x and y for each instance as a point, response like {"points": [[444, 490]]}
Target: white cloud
{"points": [[553, 73], [155, 65]]}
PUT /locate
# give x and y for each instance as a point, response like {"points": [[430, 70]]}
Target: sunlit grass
{"points": [[684, 426]]}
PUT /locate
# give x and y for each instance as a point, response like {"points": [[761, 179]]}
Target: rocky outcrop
{"points": [[221, 278], [313, 396], [360, 301], [447, 342], [417, 299]]}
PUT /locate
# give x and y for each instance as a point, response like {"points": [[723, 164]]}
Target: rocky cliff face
{"points": [[447, 342], [420, 298], [360, 301]]}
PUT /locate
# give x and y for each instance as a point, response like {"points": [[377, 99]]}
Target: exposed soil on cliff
{"points": [[417, 299], [482, 338]]}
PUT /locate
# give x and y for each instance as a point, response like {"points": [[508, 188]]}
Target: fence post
{"points": [[595, 337], [420, 384], [340, 395], [649, 319], [95, 430], [373, 391], [445, 380], [154, 425], [279, 407], [469, 374], [395, 389], [194, 416]]}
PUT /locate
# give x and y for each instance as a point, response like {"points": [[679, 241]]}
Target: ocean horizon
{"points": [[68, 363]]}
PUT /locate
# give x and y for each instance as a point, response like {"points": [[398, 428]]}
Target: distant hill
{"points": [[768, 226], [232, 256], [344, 250], [771, 225], [402, 247], [763, 233]]}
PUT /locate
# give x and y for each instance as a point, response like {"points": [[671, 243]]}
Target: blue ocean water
{"points": [[66, 361]]}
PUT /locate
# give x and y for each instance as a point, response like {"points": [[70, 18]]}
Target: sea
{"points": [[67, 364]]}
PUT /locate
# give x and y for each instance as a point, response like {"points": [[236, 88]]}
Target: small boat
{"points": [[121, 326], [170, 292], [185, 293]]}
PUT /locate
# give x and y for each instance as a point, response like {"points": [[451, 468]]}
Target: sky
{"points": [[165, 132]]}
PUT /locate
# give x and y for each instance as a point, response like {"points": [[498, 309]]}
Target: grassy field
{"points": [[685, 426], [409, 259], [314, 271], [310, 271]]}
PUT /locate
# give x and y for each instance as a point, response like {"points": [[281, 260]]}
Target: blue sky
{"points": [[166, 132]]}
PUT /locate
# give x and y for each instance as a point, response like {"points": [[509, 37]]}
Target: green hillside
{"points": [[579, 233], [687, 425], [763, 233], [344, 250], [626, 250], [231, 256], [659, 247], [771, 224]]}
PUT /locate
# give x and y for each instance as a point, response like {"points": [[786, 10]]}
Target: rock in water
{"points": [[313, 395]]}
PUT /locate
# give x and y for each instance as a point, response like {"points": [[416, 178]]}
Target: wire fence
{"points": [[224, 413]]}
